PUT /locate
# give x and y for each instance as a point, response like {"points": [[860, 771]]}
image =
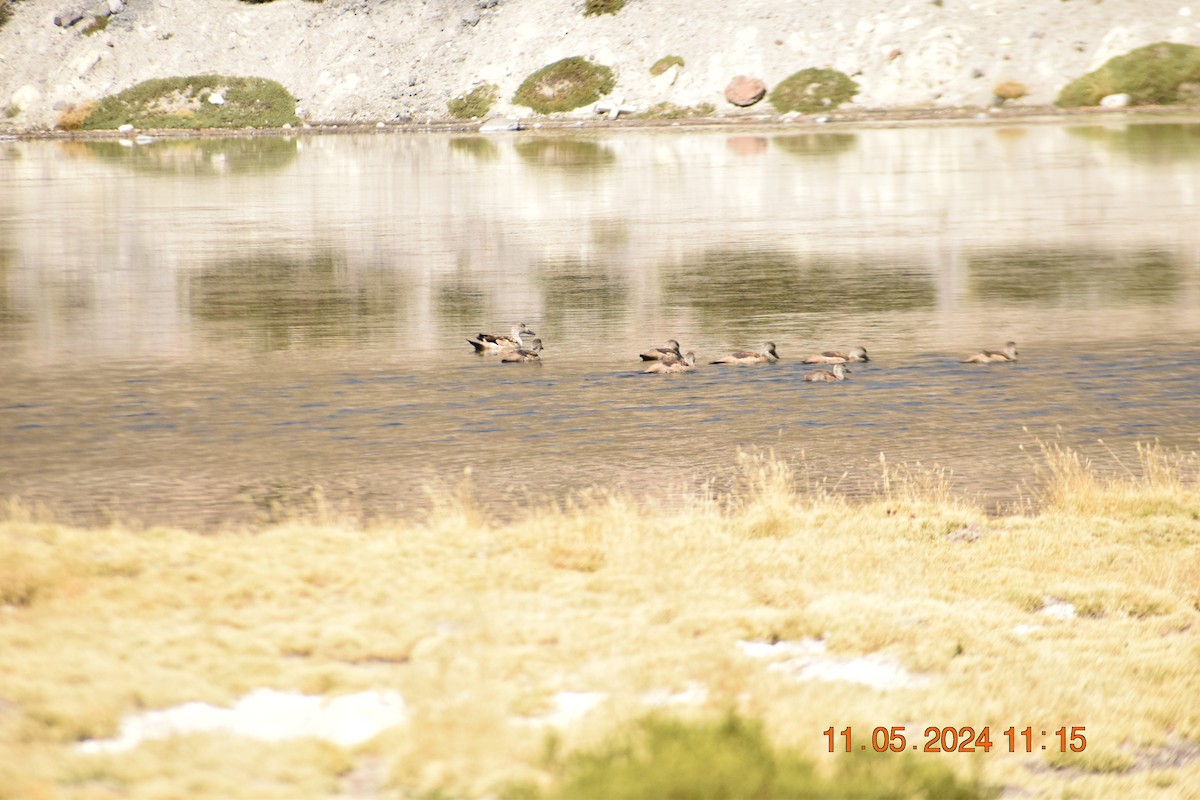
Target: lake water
{"points": [[207, 332]]}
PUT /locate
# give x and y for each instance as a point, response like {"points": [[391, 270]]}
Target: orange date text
{"points": [[951, 739]]}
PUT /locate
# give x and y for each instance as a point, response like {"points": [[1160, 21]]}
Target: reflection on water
{"points": [[194, 157], [729, 286], [815, 144], [279, 302], [564, 153], [479, 147], [1052, 277], [214, 331], [1162, 144], [574, 291]]}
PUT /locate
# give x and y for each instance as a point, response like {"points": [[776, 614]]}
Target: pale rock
{"points": [[26, 96], [216, 99], [126, 128], [1116, 100], [69, 15], [84, 64], [499, 125], [667, 79], [115, 6]]}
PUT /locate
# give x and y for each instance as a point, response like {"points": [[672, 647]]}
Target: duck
{"points": [[671, 366], [531, 353], [497, 342], [839, 356], [765, 355], [1009, 353], [838, 374], [657, 353]]}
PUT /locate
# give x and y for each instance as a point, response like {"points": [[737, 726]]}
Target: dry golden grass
{"points": [[1010, 90], [72, 116], [478, 624]]}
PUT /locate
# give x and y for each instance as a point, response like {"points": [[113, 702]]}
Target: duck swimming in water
{"points": [[1009, 353], [838, 374], [657, 353], [839, 356], [531, 353], [671, 366], [498, 342], [764, 355]]}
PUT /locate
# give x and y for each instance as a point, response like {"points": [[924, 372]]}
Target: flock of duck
{"points": [[669, 359]]}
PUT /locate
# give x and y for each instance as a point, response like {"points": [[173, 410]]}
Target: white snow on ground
{"points": [[693, 694], [567, 708], [805, 660], [267, 715]]}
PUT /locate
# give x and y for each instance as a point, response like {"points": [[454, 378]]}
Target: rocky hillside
{"points": [[368, 60]]}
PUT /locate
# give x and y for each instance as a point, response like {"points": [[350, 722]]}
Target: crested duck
{"points": [[496, 342], [764, 355], [1009, 353]]}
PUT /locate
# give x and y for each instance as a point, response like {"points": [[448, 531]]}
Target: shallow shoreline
{"points": [[851, 119]]}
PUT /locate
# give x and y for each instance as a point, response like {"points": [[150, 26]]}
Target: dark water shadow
{"points": [[477, 147], [1147, 144], [574, 290], [277, 301], [459, 301], [742, 283], [13, 318], [561, 153], [1050, 276], [816, 144], [198, 157]]}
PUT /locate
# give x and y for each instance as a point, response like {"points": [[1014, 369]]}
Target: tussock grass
{"points": [[729, 757], [474, 104], [1009, 90], [1165, 73], [665, 63], [811, 90], [183, 103], [565, 85], [594, 8], [479, 623], [667, 110], [1161, 483], [73, 116]]}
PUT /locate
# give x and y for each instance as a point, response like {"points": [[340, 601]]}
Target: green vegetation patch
{"points": [[1157, 74], [565, 85], [475, 103], [811, 90], [672, 111], [5, 12], [95, 26], [594, 8], [184, 103], [665, 63], [731, 757]]}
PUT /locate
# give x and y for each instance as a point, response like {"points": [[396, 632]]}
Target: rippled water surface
{"points": [[211, 332]]}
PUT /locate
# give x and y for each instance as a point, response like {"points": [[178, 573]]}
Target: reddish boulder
{"points": [[745, 91]]}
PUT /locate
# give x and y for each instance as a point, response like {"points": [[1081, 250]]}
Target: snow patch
{"points": [[267, 715], [805, 660]]}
